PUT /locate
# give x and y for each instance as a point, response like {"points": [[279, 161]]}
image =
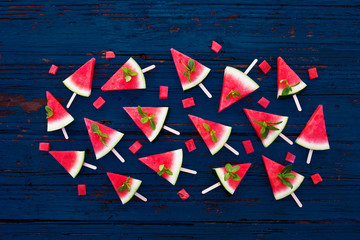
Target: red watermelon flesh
{"points": [[230, 185], [196, 77], [80, 81], [72, 161], [117, 180], [99, 148], [280, 190], [171, 160], [118, 82], [60, 117], [314, 135]]}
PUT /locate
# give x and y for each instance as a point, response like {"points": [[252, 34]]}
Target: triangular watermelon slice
{"points": [[80, 81], [117, 180], [230, 185], [222, 133], [60, 117], [263, 116], [279, 189], [196, 77], [160, 116], [314, 135], [171, 160], [72, 161], [100, 148], [285, 72], [235, 80], [118, 82]]}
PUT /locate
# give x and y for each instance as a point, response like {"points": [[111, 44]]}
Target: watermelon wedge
{"points": [[196, 76], [80, 81], [314, 135], [60, 117], [285, 72], [171, 160], [235, 80], [230, 185], [100, 148], [263, 116], [118, 81], [118, 180], [222, 133], [72, 161], [279, 189], [160, 116]]}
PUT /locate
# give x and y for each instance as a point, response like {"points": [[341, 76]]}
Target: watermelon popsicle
{"points": [[190, 71], [314, 136], [215, 135], [230, 177], [80, 82]]}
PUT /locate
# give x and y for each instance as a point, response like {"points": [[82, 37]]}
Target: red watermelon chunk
{"points": [[290, 157], [99, 102], [135, 147], [316, 178], [81, 189], [53, 69], [60, 117], [263, 102], [312, 73], [188, 102], [72, 161], [215, 46], [230, 185], [248, 146], [44, 146], [110, 55], [183, 194], [265, 67], [190, 144], [163, 93], [117, 180]]}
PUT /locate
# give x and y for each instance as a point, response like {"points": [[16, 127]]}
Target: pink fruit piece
{"points": [[263, 102], [215, 47], [312, 73], [81, 189], [316, 178], [190, 145], [183, 194], [188, 102], [264, 66], [248, 146], [44, 146], [99, 102], [110, 55], [53, 69], [290, 157], [135, 147], [163, 92]]}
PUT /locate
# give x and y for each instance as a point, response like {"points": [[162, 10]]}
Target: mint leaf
{"points": [[284, 80], [189, 68], [133, 73], [265, 134], [127, 78], [213, 136], [271, 127], [163, 170], [235, 177], [294, 85], [104, 135], [186, 67], [161, 167], [274, 123], [227, 176], [127, 73], [49, 111], [168, 172], [122, 188], [144, 120], [235, 169], [191, 64], [228, 167], [228, 96], [95, 128], [236, 94], [262, 124], [125, 185], [266, 126], [152, 123], [141, 112], [207, 127], [286, 182], [103, 140], [286, 169], [289, 175]]}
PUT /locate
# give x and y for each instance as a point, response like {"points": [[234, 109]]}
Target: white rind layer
{"points": [[70, 85], [115, 138], [135, 67], [159, 124], [221, 141], [135, 184], [274, 134], [313, 146], [221, 175], [80, 160], [295, 90], [59, 124], [286, 192], [242, 77], [177, 166], [198, 80]]}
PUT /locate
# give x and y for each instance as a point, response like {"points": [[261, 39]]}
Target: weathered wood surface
{"points": [[39, 200]]}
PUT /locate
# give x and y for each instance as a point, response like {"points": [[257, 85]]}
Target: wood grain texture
{"points": [[40, 200]]}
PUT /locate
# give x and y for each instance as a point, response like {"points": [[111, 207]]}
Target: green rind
{"points": [[80, 165], [157, 130], [131, 195], [139, 73], [109, 148], [223, 182], [277, 133], [199, 80], [214, 151], [291, 189]]}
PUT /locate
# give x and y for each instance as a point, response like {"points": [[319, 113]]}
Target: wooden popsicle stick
{"points": [[173, 131], [286, 139], [208, 94], [118, 155], [149, 68], [297, 103], [188, 171], [296, 200], [205, 191], [231, 149], [88, 165], [251, 66], [71, 100], [141, 196], [309, 156], [65, 133]]}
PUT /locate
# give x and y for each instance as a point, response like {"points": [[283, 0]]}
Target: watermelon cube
{"points": [[263, 102], [44, 146], [215, 47], [81, 189], [190, 145], [53, 69], [163, 92], [99, 102], [316, 178], [188, 102], [135, 147], [312, 73], [264, 66], [290, 157], [183, 194], [110, 55], [248, 146]]}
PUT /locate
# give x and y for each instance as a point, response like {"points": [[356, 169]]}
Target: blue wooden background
{"points": [[39, 199]]}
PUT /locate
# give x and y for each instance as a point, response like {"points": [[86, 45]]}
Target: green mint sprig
{"points": [[286, 173], [49, 111], [189, 68], [266, 126], [145, 118], [128, 73], [288, 87], [163, 170], [125, 185], [95, 128], [233, 93], [231, 172], [211, 131]]}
